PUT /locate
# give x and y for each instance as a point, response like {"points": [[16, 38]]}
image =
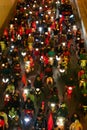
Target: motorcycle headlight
{"points": [[37, 89], [7, 95], [26, 91], [60, 121], [62, 70], [53, 105], [27, 119], [11, 116]]}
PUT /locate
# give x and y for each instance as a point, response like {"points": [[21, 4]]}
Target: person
{"points": [[76, 125], [40, 122], [48, 71], [38, 82], [29, 104], [10, 88], [12, 113], [63, 110], [4, 115], [74, 117]]}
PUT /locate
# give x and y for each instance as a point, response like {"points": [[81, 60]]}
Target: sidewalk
{"points": [[82, 11], [6, 11]]}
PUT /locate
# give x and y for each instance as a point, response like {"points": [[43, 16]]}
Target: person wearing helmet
{"points": [[76, 125]]}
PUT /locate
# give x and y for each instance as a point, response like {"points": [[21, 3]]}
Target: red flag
{"points": [[50, 122], [24, 80]]}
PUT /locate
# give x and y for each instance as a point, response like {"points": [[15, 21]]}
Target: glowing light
{"points": [[26, 91], [62, 70], [60, 121], [23, 53], [53, 104], [63, 43]]}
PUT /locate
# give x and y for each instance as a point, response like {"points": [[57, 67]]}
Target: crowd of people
{"points": [[42, 35]]}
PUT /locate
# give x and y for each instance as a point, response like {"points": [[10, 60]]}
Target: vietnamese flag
{"points": [[50, 122]]}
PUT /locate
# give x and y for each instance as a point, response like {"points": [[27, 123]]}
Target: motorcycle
{"points": [[61, 117], [40, 123], [7, 99], [29, 108], [26, 120], [60, 122]]}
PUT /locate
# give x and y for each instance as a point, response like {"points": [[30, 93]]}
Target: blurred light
{"points": [[42, 43], [26, 119], [26, 14], [72, 16], [30, 12], [51, 58], [27, 5], [29, 34], [52, 18], [78, 38], [16, 19], [12, 39], [37, 22], [37, 49], [74, 27], [35, 1], [53, 104], [24, 8], [23, 53], [5, 80], [60, 121], [19, 37], [11, 25], [70, 88], [3, 64], [37, 89], [62, 70], [63, 43], [29, 80], [40, 8], [7, 95], [26, 91], [69, 30], [60, 16], [41, 57], [12, 46], [49, 29], [40, 29], [49, 12], [58, 58], [27, 63], [34, 6], [46, 6], [58, 2]]}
